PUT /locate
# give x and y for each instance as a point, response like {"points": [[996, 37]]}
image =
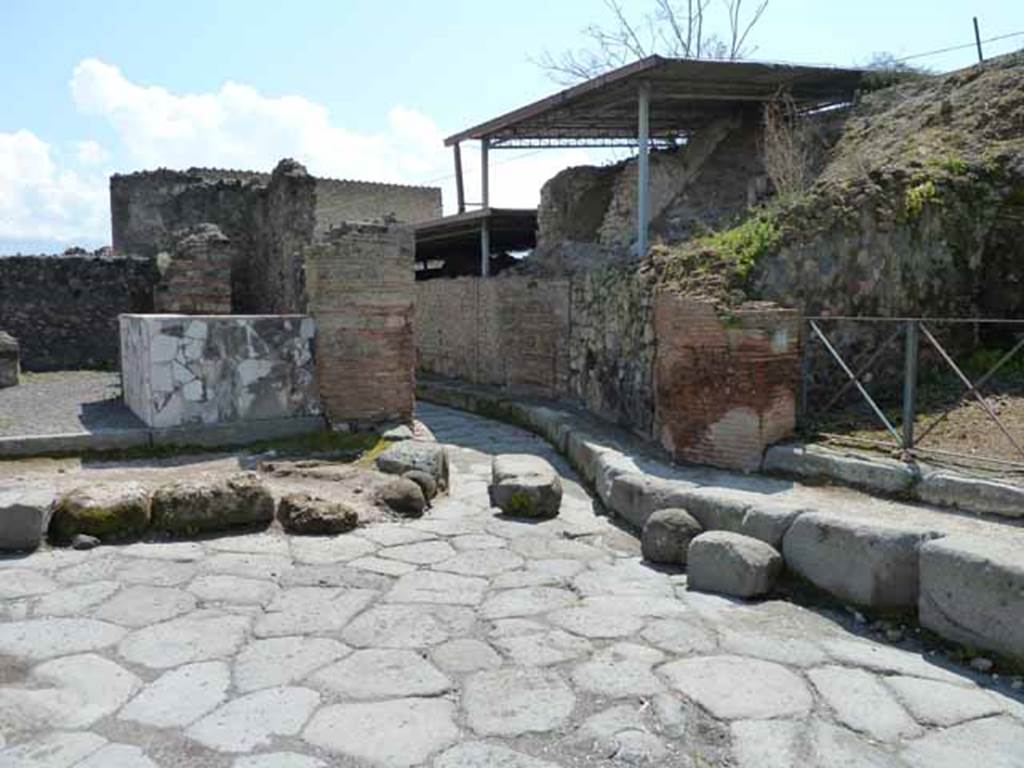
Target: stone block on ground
{"points": [[667, 535], [859, 559], [975, 494], [424, 480], [209, 504], [525, 486], [24, 517], [302, 513], [416, 455], [732, 564], [10, 356], [814, 462], [108, 511], [972, 592], [403, 496]]}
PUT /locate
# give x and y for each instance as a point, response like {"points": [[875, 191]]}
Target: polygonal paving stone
{"points": [[379, 674], [380, 565], [527, 601], [54, 750], [934, 703], [644, 606], [421, 553], [284, 660], [511, 702], [472, 541], [117, 756], [181, 696], [680, 636], [233, 589], [313, 610], [248, 565], [465, 655], [886, 659], [278, 760], [541, 649], [828, 744], [620, 732], [391, 535], [624, 577], [334, 575], [549, 547], [198, 636], [596, 623], [251, 543], [993, 742], [481, 562], [316, 550], [95, 569], [407, 626], [862, 703], [74, 601], [441, 588], [623, 669], [735, 688], [157, 573], [764, 644], [253, 720], [394, 734], [17, 583], [43, 638], [142, 606], [180, 551], [73, 692], [477, 754]]}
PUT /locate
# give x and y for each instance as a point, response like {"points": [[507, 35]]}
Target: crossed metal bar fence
{"points": [[905, 439]]}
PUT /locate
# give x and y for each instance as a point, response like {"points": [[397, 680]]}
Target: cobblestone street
{"points": [[460, 640]]}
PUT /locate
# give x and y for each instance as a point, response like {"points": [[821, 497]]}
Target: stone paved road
{"points": [[460, 640]]}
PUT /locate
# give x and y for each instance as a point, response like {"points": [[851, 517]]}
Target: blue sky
{"points": [[354, 89]]}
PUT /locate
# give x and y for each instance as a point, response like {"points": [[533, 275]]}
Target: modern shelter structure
{"points": [[654, 102]]}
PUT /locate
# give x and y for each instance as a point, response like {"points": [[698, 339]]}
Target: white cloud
{"points": [[45, 196], [40, 200]]}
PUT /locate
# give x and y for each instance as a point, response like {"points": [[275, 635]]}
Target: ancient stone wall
{"points": [[725, 384], [340, 201], [195, 369], [196, 275], [63, 309], [509, 331], [359, 280]]}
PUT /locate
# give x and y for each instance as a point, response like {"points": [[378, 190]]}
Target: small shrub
{"points": [[744, 245], [918, 196]]}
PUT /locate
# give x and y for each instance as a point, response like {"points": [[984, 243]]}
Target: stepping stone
{"points": [[416, 455], [181, 696], [732, 564], [108, 511], [512, 702], [393, 734], [523, 485], [380, 674], [212, 504], [254, 720], [24, 517], [667, 535], [735, 688], [304, 514], [284, 660]]}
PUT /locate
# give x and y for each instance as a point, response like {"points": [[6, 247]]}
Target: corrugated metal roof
{"points": [[685, 95]]}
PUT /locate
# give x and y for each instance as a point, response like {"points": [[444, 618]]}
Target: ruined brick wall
{"points": [[196, 274], [508, 331], [359, 280], [63, 309], [725, 384], [350, 201]]}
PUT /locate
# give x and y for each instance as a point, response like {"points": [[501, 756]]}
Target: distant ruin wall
{"points": [[359, 281], [338, 202], [509, 331], [63, 309], [197, 275]]}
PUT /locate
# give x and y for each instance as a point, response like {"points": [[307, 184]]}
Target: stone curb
{"points": [[203, 436], [873, 563], [889, 477]]}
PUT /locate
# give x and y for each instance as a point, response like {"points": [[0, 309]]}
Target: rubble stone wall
{"points": [[359, 281], [197, 276], [63, 309]]}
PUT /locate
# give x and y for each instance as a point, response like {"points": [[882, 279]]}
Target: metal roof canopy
{"points": [[685, 94], [651, 101]]}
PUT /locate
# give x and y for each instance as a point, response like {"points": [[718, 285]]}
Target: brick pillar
{"points": [[725, 382], [197, 278], [359, 281]]}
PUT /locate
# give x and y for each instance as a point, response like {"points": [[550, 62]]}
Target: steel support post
{"points": [[910, 349], [643, 167], [460, 190], [485, 202]]}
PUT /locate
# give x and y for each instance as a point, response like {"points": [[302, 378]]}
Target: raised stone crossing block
{"points": [[732, 564], [209, 369], [24, 517], [972, 591], [525, 486]]}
